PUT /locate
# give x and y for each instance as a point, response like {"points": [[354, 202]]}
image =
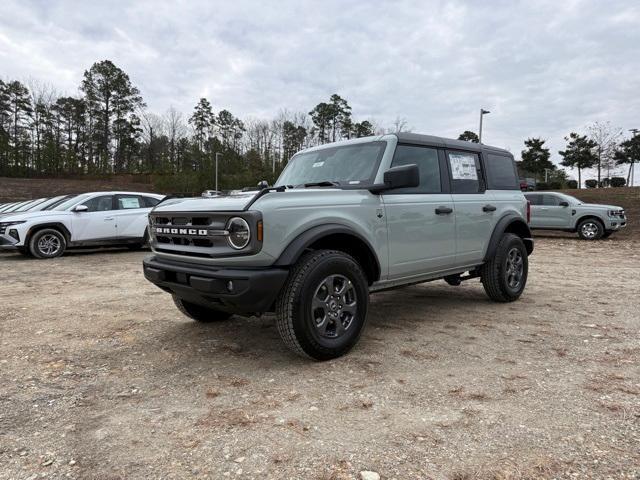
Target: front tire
{"points": [[590, 229], [199, 313], [322, 309], [505, 275], [607, 234], [47, 243]]}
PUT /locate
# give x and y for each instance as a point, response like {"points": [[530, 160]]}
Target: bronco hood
{"points": [[221, 203]]}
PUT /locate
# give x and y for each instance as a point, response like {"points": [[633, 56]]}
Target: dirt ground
{"points": [[102, 378]]}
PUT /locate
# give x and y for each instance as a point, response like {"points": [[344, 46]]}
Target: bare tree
{"points": [[176, 129], [606, 138], [399, 125]]}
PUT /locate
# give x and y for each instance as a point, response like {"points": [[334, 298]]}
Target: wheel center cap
{"points": [[333, 305]]}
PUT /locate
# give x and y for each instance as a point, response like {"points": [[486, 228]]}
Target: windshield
{"points": [[345, 165], [30, 205], [69, 203], [54, 202]]}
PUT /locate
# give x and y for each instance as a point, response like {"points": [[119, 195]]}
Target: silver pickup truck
{"points": [[559, 211], [345, 220]]}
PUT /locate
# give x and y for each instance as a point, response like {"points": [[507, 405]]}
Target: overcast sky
{"points": [[543, 68]]}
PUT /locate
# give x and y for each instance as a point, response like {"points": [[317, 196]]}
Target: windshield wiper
{"points": [[325, 183]]}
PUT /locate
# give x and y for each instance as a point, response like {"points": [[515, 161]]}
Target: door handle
{"points": [[110, 219], [489, 208], [443, 210]]}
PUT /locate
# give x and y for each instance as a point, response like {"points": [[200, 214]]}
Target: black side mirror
{"points": [[564, 204], [399, 177], [263, 184]]}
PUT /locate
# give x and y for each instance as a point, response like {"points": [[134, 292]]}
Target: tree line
{"points": [[107, 129], [602, 148]]}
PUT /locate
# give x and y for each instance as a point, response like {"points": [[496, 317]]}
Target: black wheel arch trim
{"points": [[302, 242], [502, 226], [56, 225]]}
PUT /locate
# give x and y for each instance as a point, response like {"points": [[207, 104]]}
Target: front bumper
{"points": [[8, 243], [229, 289], [616, 223]]}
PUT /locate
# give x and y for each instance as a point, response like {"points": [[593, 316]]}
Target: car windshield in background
{"points": [[57, 202], [70, 202], [571, 199], [348, 165]]}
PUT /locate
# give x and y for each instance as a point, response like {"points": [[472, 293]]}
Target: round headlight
{"points": [[239, 233]]}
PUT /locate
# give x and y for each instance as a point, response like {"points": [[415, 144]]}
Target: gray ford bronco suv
{"points": [[345, 220]]}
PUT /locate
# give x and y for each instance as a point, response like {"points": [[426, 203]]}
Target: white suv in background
{"points": [[85, 220]]}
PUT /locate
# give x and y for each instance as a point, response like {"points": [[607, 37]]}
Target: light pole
{"points": [[218, 155], [483, 112]]}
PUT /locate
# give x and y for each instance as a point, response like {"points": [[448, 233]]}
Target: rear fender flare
{"points": [[513, 224]]}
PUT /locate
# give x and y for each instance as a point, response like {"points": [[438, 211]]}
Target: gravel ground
{"points": [[101, 377]]}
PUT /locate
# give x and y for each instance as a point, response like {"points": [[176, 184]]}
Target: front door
{"points": [[97, 223], [420, 221], [551, 214], [474, 223]]}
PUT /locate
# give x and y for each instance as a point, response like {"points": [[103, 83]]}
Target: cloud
{"points": [[543, 68]]}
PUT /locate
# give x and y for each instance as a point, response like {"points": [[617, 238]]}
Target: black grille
{"points": [[188, 221]]}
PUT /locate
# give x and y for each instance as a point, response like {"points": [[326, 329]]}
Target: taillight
{"points": [[528, 211]]}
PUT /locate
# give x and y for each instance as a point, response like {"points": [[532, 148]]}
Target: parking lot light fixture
{"points": [[483, 112]]}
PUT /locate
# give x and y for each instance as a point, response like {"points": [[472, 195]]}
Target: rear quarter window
{"points": [[501, 172]]}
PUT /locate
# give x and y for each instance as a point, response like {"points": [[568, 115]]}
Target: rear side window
{"points": [[466, 172], [535, 199], [427, 161], [128, 202], [501, 172]]}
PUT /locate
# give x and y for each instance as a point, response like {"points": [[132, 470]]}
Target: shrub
{"points": [[591, 183], [572, 184], [542, 186], [618, 182]]}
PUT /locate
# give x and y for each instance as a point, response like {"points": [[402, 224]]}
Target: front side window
{"points": [[103, 203], [466, 173], [550, 200], [427, 161], [346, 165]]}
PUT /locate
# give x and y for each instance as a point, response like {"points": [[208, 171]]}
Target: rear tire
{"points": [[505, 275], [47, 243], [590, 229], [322, 309], [199, 313]]}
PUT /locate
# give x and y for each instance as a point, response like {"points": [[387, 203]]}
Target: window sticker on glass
{"points": [[130, 202], [463, 167], [317, 164]]}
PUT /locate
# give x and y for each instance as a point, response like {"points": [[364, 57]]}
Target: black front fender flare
{"points": [[296, 248]]}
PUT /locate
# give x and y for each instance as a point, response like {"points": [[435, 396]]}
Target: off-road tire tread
{"points": [[286, 299], [490, 273], [209, 319]]}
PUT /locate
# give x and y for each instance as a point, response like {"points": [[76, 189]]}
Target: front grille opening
{"points": [[163, 239], [161, 221], [179, 221], [200, 221], [202, 242]]}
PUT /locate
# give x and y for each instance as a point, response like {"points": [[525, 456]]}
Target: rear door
{"points": [[474, 219], [97, 223], [131, 216], [420, 220]]}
